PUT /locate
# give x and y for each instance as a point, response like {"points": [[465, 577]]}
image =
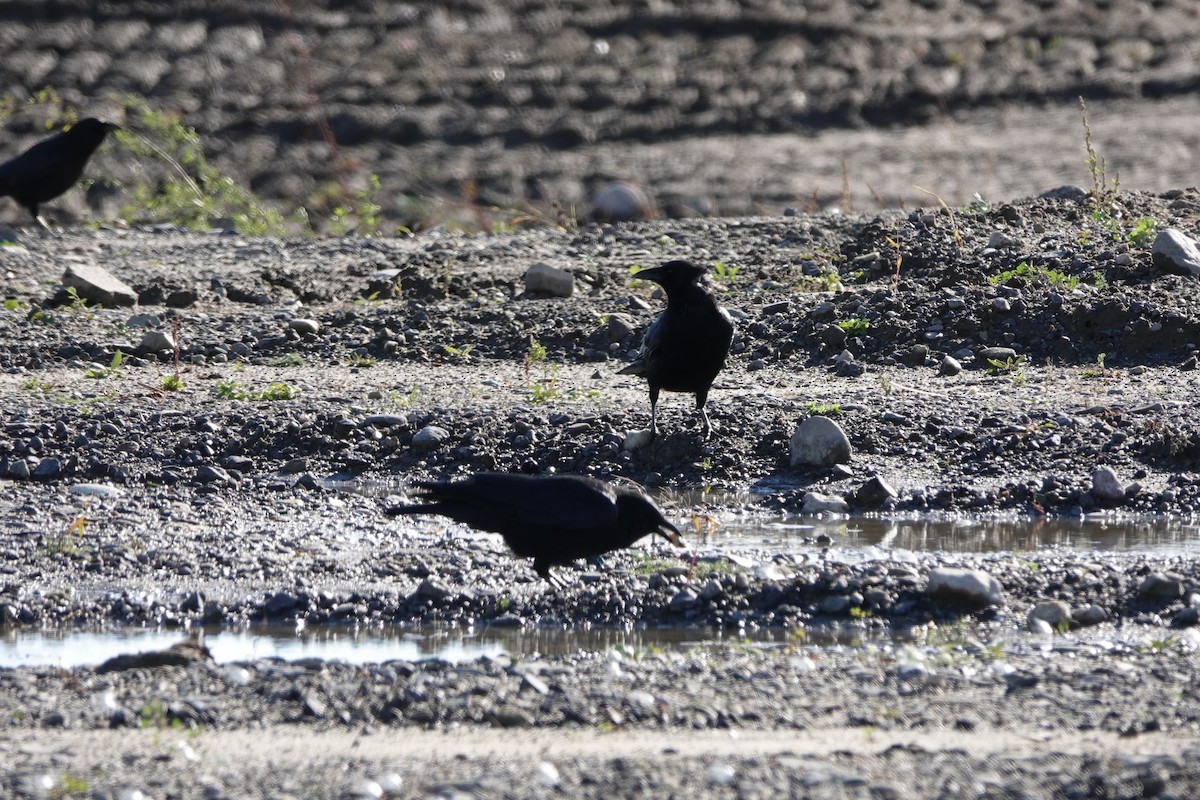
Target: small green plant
{"points": [[825, 282], [856, 326], [1099, 371], [231, 390], [361, 216], [1008, 366], [1143, 231], [407, 400], [360, 361], [725, 273], [76, 302], [12, 305], [288, 360], [544, 387], [1099, 281], [113, 369], [1035, 274], [458, 355], [69, 785], [156, 715], [172, 382], [815, 409]]}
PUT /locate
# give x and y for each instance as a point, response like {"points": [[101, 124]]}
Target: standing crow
{"points": [[685, 348], [50, 167], [551, 519]]}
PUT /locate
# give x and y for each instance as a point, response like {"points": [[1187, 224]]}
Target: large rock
{"points": [[98, 286], [819, 441], [1175, 251], [966, 585], [1106, 485], [621, 202], [550, 280]]}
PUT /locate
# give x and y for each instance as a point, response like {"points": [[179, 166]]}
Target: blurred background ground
{"points": [[727, 108]]}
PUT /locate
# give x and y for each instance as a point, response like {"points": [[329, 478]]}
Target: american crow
{"points": [[551, 519], [50, 167], [685, 348]]}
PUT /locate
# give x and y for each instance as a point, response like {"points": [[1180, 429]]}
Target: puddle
{"points": [[793, 534], [959, 535], [80, 648]]}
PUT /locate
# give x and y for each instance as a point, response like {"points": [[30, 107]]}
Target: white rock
{"points": [[1053, 612], [98, 286], [721, 774], [546, 774], [1177, 250], [815, 503], [430, 436], [96, 490], [636, 439], [1106, 485], [819, 441], [155, 341], [305, 326], [550, 280], [973, 585], [621, 202]]}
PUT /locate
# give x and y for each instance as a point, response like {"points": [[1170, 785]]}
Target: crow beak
{"points": [[648, 274], [670, 533]]}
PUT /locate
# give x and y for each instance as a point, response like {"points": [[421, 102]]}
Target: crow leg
{"points": [[653, 411], [705, 425]]}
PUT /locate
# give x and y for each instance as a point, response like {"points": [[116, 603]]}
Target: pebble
{"points": [[545, 279], [303, 326], [972, 585], [819, 441], [1106, 485], [818, 503], [155, 342], [1053, 612], [949, 366], [430, 436], [1175, 250], [1160, 585], [99, 286]]}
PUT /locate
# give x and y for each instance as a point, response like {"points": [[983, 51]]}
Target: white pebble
{"points": [[721, 774]]}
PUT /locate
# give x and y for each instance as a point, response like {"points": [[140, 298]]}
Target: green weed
{"points": [[1035, 274], [725, 273], [815, 409], [113, 370], [856, 326]]}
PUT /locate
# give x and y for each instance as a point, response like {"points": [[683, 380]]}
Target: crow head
{"points": [[641, 517], [673, 275]]}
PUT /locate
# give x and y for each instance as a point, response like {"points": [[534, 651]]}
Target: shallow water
{"points": [[748, 541], [79, 648], [1158, 536]]}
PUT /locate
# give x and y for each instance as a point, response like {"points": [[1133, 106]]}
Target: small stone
{"points": [[1159, 585], [683, 599], [1106, 486], [47, 469], [430, 589], [721, 774], [971, 585], [545, 279], [96, 490], [712, 590], [817, 503], [546, 774], [621, 202], [1000, 241], [305, 326], [1001, 304], [155, 342], [98, 286], [213, 474], [874, 493], [635, 440], [950, 366], [1177, 252], [1089, 615], [430, 436], [819, 441], [990, 354], [1053, 612], [19, 470], [832, 335]]}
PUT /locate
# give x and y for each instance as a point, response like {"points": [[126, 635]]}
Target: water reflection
{"points": [[78, 648], [958, 535]]}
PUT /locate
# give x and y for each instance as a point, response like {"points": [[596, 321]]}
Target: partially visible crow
{"points": [[685, 348], [552, 519], [50, 167]]}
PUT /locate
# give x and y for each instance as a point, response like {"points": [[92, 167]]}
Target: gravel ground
{"points": [[130, 503]]}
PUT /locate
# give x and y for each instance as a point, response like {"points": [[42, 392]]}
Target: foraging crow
{"points": [[50, 167], [551, 519], [685, 348]]}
